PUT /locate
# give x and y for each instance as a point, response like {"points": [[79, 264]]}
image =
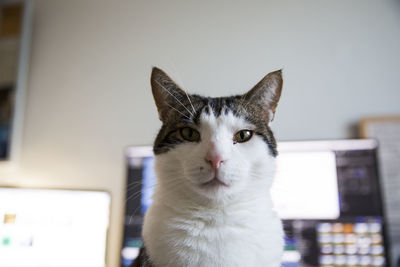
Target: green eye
{"points": [[242, 136], [190, 134]]}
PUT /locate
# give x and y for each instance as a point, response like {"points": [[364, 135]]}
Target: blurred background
{"points": [[74, 77]]}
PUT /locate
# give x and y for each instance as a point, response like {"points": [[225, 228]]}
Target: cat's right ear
{"points": [[266, 93], [167, 94]]}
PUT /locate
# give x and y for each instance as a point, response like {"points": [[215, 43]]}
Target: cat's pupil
{"points": [[190, 134], [242, 136]]}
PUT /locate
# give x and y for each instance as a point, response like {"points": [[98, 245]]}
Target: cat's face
{"points": [[215, 147]]}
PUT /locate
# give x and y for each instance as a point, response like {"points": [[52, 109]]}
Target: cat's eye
{"points": [[190, 134], [242, 136]]}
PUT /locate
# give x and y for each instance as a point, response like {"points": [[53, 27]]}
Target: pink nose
{"points": [[214, 160]]}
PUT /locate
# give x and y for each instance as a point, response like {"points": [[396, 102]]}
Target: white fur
{"points": [[190, 225]]}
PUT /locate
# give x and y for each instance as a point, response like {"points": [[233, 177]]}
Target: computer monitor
{"points": [[47, 228], [326, 192]]}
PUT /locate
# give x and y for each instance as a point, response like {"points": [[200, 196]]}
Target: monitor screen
{"points": [[326, 192], [298, 175], [43, 227]]}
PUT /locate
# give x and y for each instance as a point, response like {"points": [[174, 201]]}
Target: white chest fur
{"points": [[244, 234]]}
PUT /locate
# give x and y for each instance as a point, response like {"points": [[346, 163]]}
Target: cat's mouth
{"points": [[214, 182]]}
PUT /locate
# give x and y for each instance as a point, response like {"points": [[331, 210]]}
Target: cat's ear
{"points": [[167, 94], [266, 93]]}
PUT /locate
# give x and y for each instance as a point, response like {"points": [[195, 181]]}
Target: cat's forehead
{"points": [[223, 117], [209, 107]]}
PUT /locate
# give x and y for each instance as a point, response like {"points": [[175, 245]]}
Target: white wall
{"points": [[89, 95]]}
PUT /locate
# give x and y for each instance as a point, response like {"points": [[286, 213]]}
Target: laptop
{"points": [[47, 227]]}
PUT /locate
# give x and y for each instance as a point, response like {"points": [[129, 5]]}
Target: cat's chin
{"points": [[215, 188], [214, 183]]}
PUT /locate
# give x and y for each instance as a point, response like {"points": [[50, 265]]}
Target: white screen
{"points": [[43, 228], [305, 186]]}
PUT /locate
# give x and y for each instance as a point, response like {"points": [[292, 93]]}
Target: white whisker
{"points": [[179, 112], [190, 102]]}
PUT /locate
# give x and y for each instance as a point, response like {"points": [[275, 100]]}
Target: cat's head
{"points": [[215, 147]]}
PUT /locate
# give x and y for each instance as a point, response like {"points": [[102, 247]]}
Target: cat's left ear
{"points": [[266, 94], [167, 95]]}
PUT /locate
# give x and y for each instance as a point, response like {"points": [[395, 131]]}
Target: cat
{"points": [[214, 163]]}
